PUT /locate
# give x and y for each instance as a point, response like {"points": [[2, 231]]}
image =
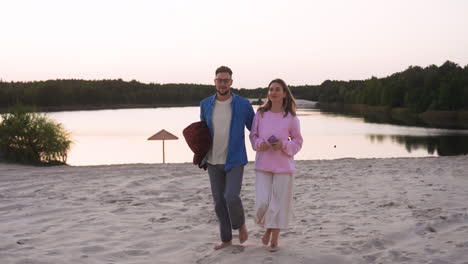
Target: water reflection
{"points": [[382, 115], [443, 145], [120, 136]]}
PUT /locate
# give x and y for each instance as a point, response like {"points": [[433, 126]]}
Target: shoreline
{"points": [[401, 116], [52, 109]]}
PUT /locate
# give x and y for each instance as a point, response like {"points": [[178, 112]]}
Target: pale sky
{"points": [[184, 41]]}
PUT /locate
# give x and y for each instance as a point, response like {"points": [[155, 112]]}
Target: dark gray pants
{"points": [[225, 188]]}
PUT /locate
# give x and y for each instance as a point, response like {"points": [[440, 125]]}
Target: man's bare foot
{"points": [[266, 237], [273, 248], [243, 235], [222, 245]]}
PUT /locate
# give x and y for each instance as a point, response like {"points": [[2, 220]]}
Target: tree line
{"points": [[419, 89], [416, 88], [105, 93], [109, 93]]}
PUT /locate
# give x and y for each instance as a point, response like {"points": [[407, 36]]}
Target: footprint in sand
{"points": [[288, 233], [118, 210], [92, 249], [346, 230], [181, 228], [22, 241], [462, 245], [159, 220], [119, 201], [136, 252], [399, 256], [372, 258], [236, 249]]}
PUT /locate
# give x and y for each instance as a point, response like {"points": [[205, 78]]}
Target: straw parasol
{"points": [[163, 135]]}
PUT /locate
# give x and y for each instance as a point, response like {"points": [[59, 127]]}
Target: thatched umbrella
{"points": [[163, 135]]}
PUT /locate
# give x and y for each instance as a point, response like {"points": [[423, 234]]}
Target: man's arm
{"points": [[202, 112], [250, 116]]}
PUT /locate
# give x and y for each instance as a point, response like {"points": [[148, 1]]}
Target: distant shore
{"points": [[103, 107], [402, 116], [379, 114], [300, 102], [393, 210]]}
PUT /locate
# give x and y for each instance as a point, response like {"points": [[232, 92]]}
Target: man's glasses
{"points": [[220, 81]]}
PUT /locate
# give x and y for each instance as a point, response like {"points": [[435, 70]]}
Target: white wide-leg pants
{"points": [[273, 203]]}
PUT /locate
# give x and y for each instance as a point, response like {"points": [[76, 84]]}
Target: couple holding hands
{"points": [[276, 138]]}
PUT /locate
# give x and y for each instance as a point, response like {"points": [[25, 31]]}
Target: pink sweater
{"points": [[285, 128]]}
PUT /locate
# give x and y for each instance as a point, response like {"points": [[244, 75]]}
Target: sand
{"points": [[399, 210]]}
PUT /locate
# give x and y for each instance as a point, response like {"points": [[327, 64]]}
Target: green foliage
{"points": [[32, 138], [416, 88], [84, 94], [258, 102]]}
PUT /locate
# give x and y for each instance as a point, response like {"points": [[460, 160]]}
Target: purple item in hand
{"points": [[272, 139]]}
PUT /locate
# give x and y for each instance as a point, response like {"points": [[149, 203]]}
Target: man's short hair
{"points": [[223, 69]]}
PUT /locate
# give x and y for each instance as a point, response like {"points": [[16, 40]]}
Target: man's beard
{"points": [[223, 94]]}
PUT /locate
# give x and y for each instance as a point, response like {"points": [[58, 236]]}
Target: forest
{"points": [[416, 88], [419, 89]]}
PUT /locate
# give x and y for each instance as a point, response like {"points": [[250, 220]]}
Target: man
{"points": [[226, 114]]}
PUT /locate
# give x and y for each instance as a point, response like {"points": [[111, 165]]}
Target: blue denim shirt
{"points": [[242, 115]]}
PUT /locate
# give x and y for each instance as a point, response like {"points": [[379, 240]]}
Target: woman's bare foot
{"points": [[266, 237], [222, 245], [273, 248], [243, 234], [274, 240]]}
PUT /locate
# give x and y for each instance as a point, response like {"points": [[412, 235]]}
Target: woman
{"points": [[276, 138]]}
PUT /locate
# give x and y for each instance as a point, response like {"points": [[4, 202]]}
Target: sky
{"points": [[184, 41]]}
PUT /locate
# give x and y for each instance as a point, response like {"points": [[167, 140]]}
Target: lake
{"points": [[120, 137]]}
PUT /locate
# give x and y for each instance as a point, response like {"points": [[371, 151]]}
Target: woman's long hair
{"points": [[289, 103]]}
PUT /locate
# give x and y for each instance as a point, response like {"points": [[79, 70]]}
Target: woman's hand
{"points": [[263, 146], [277, 145]]}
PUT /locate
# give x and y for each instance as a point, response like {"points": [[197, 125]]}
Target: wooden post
{"points": [[164, 158]]}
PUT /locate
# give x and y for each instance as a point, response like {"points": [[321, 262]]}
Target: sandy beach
{"points": [[397, 210]]}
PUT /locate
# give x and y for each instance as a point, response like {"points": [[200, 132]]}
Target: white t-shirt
{"points": [[222, 114]]}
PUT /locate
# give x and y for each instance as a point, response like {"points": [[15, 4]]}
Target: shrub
{"points": [[32, 138]]}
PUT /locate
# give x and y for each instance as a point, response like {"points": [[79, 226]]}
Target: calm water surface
{"points": [[120, 137]]}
